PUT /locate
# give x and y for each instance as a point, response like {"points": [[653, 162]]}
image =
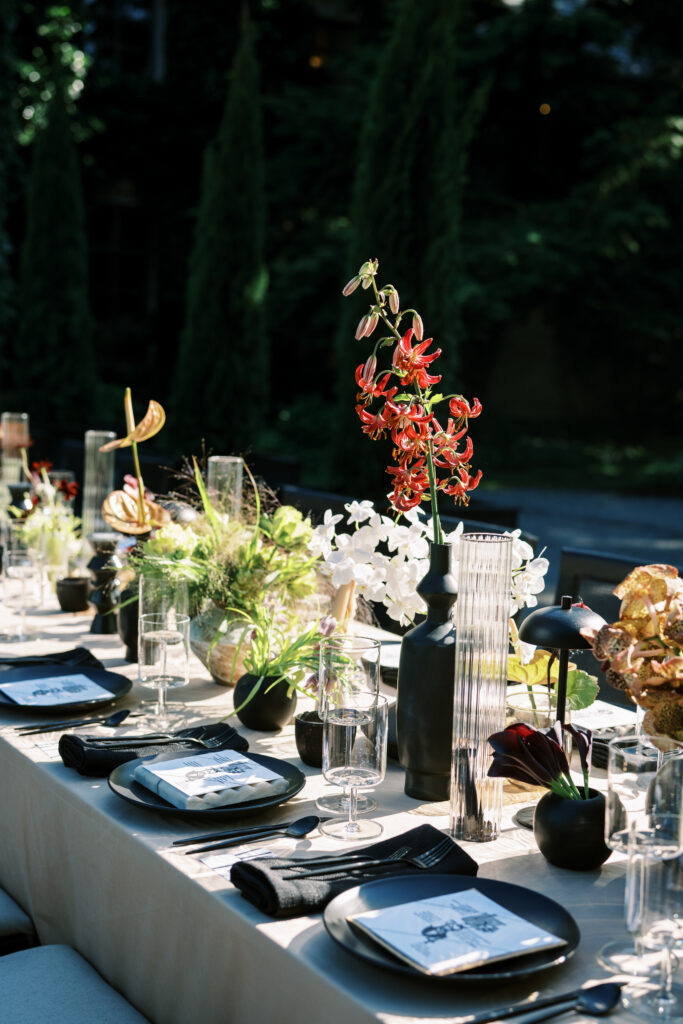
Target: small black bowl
{"points": [[73, 593], [308, 733]]}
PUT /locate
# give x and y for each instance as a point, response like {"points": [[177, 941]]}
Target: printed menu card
{"points": [[452, 932], [210, 779], [51, 690]]}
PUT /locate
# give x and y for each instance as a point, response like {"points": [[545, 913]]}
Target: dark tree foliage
{"points": [[52, 365], [221, 385], [6, 149], [406, 207], [573, 218]]}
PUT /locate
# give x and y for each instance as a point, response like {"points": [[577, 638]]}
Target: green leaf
{"points": [[582, 689]]}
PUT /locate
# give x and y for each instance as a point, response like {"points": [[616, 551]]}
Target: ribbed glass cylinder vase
{"points": [[98, 480], [481, 623]]}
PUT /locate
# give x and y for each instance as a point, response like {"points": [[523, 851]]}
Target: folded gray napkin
{"points": [[95, 760], [279, 897]]}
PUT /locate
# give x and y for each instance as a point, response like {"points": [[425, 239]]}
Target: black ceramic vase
{"points": [[424, 699], [127, 614], [308, 734], [270, 708], [571, 833], [73, 593]]}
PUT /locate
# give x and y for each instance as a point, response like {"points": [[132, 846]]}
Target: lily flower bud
{"points": [[393, 301], [362, 325], [371, 324], [418, 327], [369, 370], [351, 286]]}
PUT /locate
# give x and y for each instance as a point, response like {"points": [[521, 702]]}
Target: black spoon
{"points": [[111, 721], [597, 1000], [297, 830]]}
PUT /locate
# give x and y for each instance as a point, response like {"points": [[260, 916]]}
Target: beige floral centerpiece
{"points": [[642, 653]]}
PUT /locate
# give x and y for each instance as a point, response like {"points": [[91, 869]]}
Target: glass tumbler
{"points": [[163, 656]]}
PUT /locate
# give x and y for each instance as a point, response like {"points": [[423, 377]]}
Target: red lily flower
{"points": [[446, 454], [459, 406], [68, 488], [369, 387], [402, 415], [373, 424], [410, 362], [458, 488]]}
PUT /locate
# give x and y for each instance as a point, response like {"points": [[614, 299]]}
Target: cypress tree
{"points": [[408, 191], [53, 363], [221, 380], [6, 149]]}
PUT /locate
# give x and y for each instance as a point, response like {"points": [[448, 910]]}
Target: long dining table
{"points": [[171, 932]]}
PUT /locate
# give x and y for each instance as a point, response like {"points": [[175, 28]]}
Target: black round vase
{"points": [[308, 734], [571, 833], [73, 593], [426, 672], [127, 614], [269, 709]]}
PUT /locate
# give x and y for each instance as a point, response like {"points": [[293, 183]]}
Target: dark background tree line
{"points": [[184, 189]]}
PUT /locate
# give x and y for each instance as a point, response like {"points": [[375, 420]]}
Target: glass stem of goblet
{"points": [[161, 711], [352, 825], [666, 979]]}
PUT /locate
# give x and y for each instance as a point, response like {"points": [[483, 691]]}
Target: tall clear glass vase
{"points": [[482, 617], [98, 480]]}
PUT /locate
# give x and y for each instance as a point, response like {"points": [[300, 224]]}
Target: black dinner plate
{"points": [[538, 909], [121, 781], [115, 685]]}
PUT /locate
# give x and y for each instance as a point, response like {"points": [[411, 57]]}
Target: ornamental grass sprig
{"points": [[428, 456], [537, 758]]}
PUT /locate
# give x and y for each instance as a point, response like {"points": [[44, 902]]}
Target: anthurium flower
{"points": [[583, 738], [531, 756]]}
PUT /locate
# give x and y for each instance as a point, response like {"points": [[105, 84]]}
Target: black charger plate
{"points": [[122, 782], [114, 684], [538, 909]]}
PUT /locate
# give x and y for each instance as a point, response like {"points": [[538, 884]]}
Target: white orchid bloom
{"points": [[359, 511]]}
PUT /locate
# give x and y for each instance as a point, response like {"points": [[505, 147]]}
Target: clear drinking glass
{"points": [[162, 596], [21, 589], [353, 662], [354, 755], [224, 483], [482, 617], [163, 656], [635, 803], [654, 908]]}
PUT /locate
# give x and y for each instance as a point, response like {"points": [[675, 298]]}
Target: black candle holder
{"points": [[103, 570]]}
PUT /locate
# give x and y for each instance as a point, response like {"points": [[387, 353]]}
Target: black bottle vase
{"points": [[424, 700]]}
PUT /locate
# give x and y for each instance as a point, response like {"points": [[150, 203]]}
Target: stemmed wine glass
{"points": [[351, 662], [354, 755], [163, 662], [655, 906], [632, 781], [21, 582]]}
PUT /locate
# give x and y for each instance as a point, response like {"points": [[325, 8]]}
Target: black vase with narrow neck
{"points": [[424, 701]]}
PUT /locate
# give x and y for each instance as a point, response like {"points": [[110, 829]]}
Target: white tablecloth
{"points": [[179, 941]]}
